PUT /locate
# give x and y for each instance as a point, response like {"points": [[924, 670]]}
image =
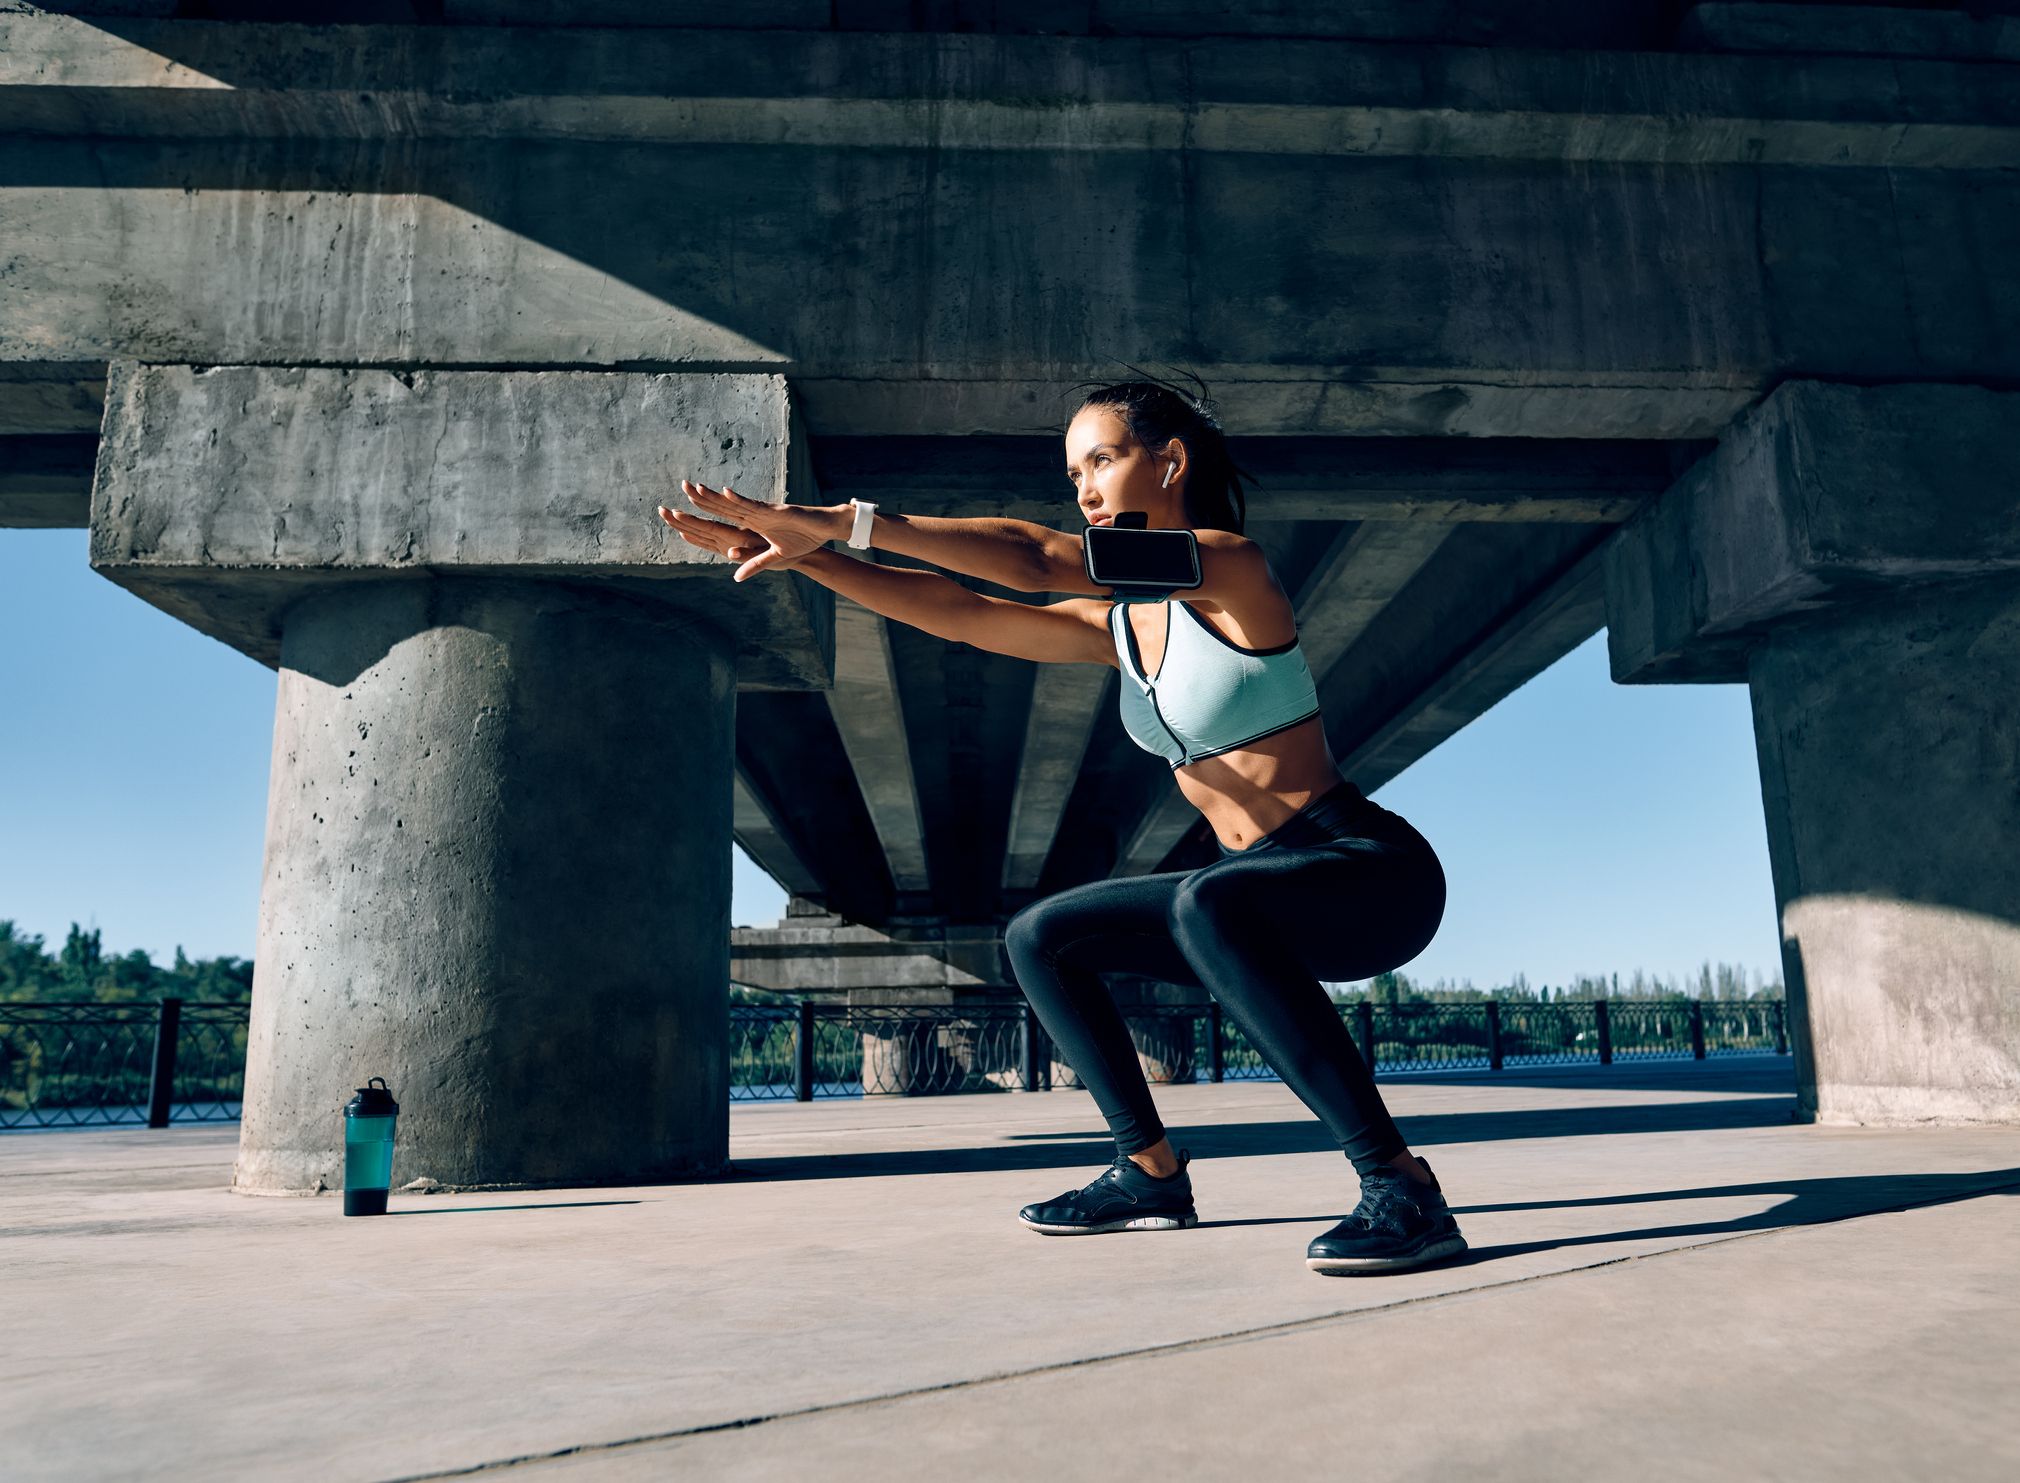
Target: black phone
{"points": [[1139, 563]]}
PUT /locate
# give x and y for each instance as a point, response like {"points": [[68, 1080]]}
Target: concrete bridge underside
{"points": [[368, 349]]}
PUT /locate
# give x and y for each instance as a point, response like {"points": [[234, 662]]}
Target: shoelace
{"points": [[1378, 1197], [1110, 1175]]}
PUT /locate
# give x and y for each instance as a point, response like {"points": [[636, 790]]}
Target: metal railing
{"points": [[809, 1049], [64, 1065], [184, 1061]]}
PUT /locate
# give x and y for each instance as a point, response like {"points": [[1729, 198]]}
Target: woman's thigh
{"points": [[1121, 925], [1347, 909]]}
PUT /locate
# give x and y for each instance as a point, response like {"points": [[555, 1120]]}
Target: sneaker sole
{"points": [[1347, 1265], [1141, 1223]]}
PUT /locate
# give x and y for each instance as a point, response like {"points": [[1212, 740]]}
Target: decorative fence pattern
{"points": [[76, 1064], [64, 1065], [804, 1050]]}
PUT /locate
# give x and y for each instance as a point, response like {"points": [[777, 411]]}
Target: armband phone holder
{"points": [[1140, 565]]}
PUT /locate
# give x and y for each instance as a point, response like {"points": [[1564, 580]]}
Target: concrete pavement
{"points": [[1668, 1278]]}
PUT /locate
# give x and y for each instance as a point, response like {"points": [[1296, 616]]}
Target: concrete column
{"points": [[1853, 555], [498, 849], [1889, 744], [496, 875]]}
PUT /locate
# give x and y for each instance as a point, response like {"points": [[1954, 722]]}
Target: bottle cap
{"points": [[374, 1099]]}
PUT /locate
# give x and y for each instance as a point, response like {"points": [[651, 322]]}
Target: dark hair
{"points": [[1155, 413]]}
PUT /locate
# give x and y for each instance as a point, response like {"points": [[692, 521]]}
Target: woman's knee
{"points": [[1025, 931], [1042, 926]]}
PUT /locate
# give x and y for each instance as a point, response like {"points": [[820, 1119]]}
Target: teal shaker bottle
{"points": [[368, 1148]]}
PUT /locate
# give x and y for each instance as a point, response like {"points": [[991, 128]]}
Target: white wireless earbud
{"points": [[1169, 470]]}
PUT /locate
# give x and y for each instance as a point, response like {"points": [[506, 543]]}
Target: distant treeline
{"points": [[81, 974], [1711, 981]]}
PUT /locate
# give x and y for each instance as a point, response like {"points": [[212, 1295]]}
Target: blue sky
{"points": [[1584, 826]]}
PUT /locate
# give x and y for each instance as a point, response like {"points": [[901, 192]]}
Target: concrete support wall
{"points": [[496, 874], [1853, 554], [1889, 744]]}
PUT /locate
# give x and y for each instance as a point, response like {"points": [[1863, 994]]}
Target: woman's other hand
{"points": [[762, 536]]}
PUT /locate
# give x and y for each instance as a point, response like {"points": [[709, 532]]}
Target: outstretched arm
{"points": [[1065, 633], [929, 601], [1010, 553]]}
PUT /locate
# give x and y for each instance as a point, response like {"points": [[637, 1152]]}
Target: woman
{"points": [[1315, 882]]}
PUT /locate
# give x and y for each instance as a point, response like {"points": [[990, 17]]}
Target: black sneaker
{"points": [[1125, 1197], [1399, 1223]]}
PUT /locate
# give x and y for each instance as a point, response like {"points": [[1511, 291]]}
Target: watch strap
{"points": [[859, 536]]}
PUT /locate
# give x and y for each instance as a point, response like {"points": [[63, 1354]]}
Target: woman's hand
{"points": [[763, 536]]}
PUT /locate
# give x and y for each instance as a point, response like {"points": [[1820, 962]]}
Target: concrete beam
{"points": [[1266, 96], [1818, 496], [1851, 30], [828, 955], [429, 254], [1360, 574], [1565, 611], [1066, 702], [1479, 581], [40, 398], [871, 722], [1507, 23], [1443, 480], [793, 759], [1592, 480], [756, 827], [226, 494], [45, 481], [396, 249]]}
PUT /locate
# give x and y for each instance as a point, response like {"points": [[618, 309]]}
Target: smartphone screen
{"points": [[1166, 557]]}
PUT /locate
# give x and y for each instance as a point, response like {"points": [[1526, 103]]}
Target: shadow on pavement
{"points": [[1747, 1073], [1809, 1202], [486, 1209], [1260, 1139]]}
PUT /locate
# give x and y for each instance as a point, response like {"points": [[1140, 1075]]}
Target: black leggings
{"points": [[1342, 890]]}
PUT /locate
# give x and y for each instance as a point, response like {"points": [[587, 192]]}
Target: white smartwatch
{"points": [[865, 513]]}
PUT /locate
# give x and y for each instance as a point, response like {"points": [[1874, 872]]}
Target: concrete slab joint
{"points": [[477, 881], [1852, 553]]}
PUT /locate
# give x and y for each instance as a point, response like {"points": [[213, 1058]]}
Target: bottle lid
{"points": [[374, 1099]]}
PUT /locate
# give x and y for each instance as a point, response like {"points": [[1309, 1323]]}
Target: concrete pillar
{"points": [[496, 876], [1889, 744], [1853, 555], [498, 838]]}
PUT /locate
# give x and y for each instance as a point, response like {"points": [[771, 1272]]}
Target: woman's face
{"points": [[1111, 472]]}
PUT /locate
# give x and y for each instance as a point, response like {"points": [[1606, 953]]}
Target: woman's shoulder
{"points": [[1237, 576]]}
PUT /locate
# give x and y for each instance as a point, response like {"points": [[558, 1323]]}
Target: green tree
{"points": [[81, 973]]}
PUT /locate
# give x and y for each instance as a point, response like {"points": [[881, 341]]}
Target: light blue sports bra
{"points": [[1210, 694]]}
